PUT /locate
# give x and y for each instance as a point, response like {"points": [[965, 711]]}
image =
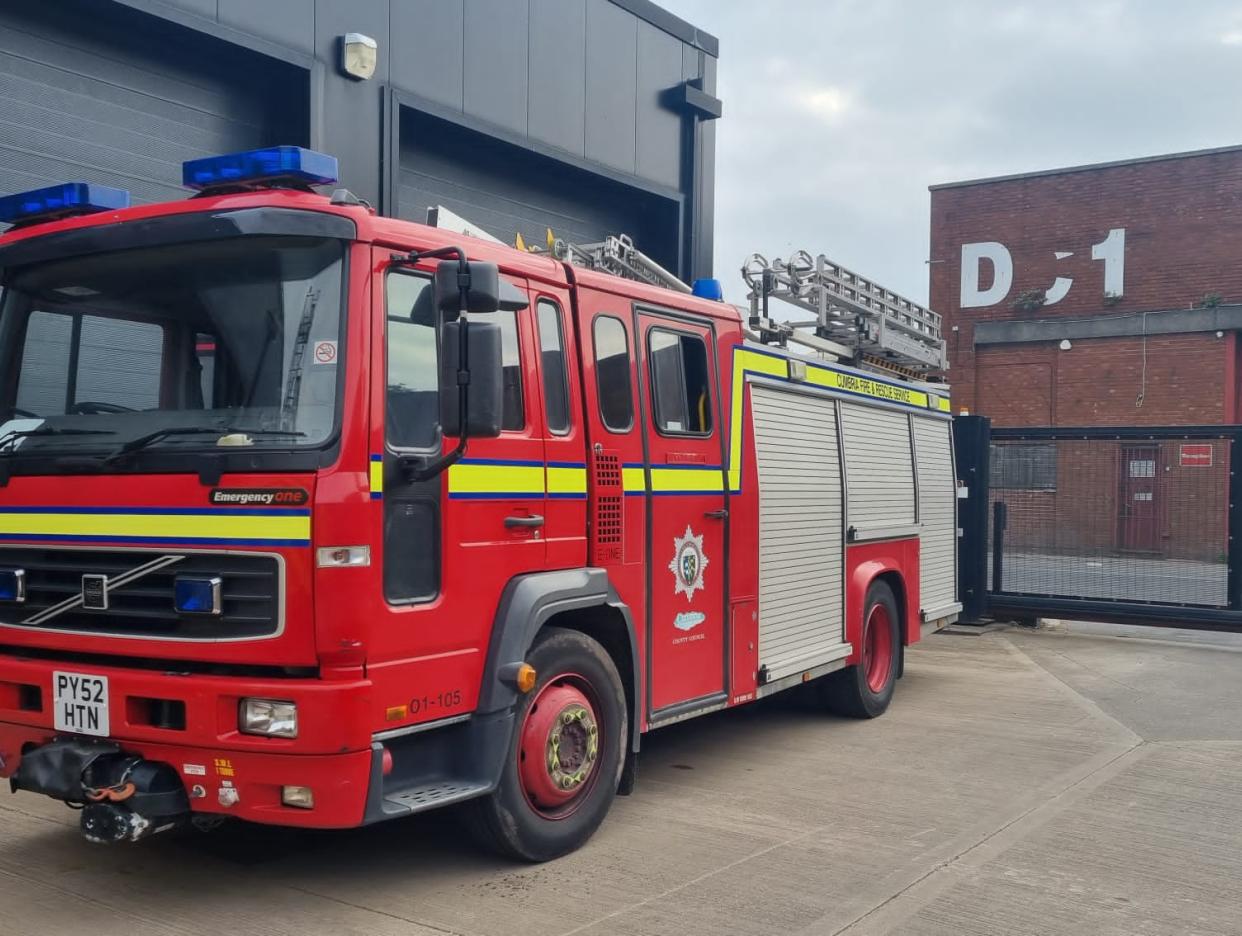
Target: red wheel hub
{"points": [[559, 747], [878, 647]]}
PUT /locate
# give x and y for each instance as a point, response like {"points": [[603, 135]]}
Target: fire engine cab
{"points": [[316, 518]]}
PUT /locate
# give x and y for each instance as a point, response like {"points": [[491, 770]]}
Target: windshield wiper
{"points": [[45, 430], [143, 441]]}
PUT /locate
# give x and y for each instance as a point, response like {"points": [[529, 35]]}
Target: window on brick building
{"points": [[1024, 466]]}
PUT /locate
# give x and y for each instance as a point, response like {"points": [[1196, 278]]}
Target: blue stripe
{"points": [[685, 493], [377, 495], [494, 495], [166, 511], [191, 540], [557, 464], [685, 467], [377, 458], [567, 496]]}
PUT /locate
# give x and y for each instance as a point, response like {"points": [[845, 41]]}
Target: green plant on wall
{"points": [[1211, 301], [1030, 301]]}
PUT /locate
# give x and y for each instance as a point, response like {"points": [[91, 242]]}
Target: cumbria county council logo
{"points": [[688, 563]]}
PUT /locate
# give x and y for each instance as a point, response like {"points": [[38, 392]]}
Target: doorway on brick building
{"points": [[1138, 499]]}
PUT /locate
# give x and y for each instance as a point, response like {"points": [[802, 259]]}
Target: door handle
{"points": [[534, 521], [716, 514]]}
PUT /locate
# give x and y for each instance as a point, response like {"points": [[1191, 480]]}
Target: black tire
{"points": [[850, 691], [509, 821]]}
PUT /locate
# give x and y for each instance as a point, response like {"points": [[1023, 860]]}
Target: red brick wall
{"points": [[1183, 223]]}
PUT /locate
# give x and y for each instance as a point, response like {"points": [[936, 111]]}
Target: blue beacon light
{"points": [[261, 168], [60, 201]]}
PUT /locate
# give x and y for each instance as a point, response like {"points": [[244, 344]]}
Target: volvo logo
{"points": [[95, 592]]}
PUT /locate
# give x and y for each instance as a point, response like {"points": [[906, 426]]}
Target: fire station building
{"points": [[1101, 295], [591, 117]]}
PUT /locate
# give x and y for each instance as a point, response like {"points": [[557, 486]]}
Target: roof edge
{"points": [[1088, 167], [661, 18]]}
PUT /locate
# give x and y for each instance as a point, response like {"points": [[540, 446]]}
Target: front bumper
{"points": [[332, 754]]}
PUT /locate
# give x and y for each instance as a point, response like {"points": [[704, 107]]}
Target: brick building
{"points": [[1103, 295]]}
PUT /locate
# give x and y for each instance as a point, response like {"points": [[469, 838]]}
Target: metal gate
{"points": [[1132, 524]]}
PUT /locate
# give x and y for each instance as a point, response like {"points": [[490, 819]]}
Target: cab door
{"points": [[688, 509]]}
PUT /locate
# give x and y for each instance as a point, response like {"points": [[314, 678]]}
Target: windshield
{"points": [[224, 343]]}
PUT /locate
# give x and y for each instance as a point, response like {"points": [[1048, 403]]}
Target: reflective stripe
{"points": [[377, 477], [686, 480], [566, 480], [50, 524], [634, 479], [496, 479]]}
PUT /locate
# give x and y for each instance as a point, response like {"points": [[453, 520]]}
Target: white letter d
{"points": [[1002, 274]]}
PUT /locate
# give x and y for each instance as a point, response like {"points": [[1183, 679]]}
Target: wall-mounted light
{"points": [[358, 56], [1065, 344]]}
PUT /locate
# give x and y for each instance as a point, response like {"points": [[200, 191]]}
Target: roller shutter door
{"points": [[801, 594], [97, 94], [937, 517], [506, 189], [879, 467]]}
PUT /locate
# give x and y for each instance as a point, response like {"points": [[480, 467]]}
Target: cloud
{"points": [[840, 113]]}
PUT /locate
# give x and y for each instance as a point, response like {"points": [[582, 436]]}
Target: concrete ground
{"points": [[1058, 782]]}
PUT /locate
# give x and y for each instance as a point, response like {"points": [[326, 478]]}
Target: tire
{"points": [[575, 718], [866, 689]]}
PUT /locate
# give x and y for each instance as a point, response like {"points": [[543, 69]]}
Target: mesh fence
{"points": [[1143, 521]]}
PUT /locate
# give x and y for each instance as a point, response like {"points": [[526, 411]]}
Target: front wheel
{"points": [[865, 689], [564, 763]]}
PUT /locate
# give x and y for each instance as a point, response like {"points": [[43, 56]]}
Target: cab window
{"points": [[680, 382], [612, 374]]}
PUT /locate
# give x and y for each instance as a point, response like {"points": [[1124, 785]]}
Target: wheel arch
{"points": [[577, 599], [880, 562]]}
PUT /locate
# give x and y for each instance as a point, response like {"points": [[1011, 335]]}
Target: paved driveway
{"points": [[1021, 783]]}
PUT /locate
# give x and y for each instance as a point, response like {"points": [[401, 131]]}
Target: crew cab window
{"points": [[77, 362], [680, 383], [612, 374], [413, 404], [555, 377]]}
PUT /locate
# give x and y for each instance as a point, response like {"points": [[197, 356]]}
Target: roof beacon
{"points": [[274, 167], [60, 201]]}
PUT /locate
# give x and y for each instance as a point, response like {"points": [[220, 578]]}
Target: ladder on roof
{"points": [[855, 317], [856, 320]]}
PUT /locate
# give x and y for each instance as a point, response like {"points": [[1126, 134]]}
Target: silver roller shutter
{"points": [[937, 517], [879, 466], [801, 595]]}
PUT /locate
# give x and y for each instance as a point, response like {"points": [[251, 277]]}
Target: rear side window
{"points": [[612, 374], [555, 378], [680, 383]]}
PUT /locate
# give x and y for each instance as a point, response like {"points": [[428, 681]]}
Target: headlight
{"points": [[268, 717]]}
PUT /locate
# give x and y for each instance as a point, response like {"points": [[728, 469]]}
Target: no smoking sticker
{"points": [[325, 352]]}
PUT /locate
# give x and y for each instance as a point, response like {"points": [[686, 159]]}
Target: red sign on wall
{"points": [[1195, 456]]}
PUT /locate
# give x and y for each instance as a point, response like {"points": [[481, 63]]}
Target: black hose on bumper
{"points": [[123, 797]]}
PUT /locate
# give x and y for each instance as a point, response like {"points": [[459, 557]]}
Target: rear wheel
{"points": [[565, 760], [865, 689]]}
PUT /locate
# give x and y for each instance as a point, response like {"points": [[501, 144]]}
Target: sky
{"points": [[838, 114]]}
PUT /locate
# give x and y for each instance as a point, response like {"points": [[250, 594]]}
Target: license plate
{"points": [[80, 703]]}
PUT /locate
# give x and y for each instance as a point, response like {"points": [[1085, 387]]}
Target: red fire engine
{"points": [[316, 518]]}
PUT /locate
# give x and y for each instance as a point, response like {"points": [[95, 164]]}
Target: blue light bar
{"points": [[61, 201], [708, 289], [260, 168], [197, 595]]}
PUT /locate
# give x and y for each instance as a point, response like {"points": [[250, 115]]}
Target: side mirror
{"points": [[482, 292], [486, 397]]}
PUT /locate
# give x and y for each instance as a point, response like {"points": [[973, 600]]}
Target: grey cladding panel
{"points": [[557, 112], [205, 8], [496, 62], [611, 96], [106, 107], [879, 466], [289, 22], [801, 593], [427, 46], [657, 129], [937, 514]]}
